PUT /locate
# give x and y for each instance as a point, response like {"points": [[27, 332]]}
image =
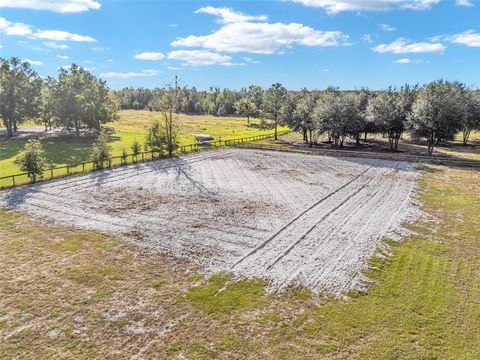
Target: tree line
{"points": [[75, 99], [436, 111]]}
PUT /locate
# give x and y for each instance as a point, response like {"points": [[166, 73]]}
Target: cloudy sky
{"points": [[311, 43]]}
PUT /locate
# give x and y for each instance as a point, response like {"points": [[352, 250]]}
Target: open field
{"points": [[61, 150], [80, 294], [249, 212]]}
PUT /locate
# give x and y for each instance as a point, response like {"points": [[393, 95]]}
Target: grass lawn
{"points": [[132, 124], [80, 294]]}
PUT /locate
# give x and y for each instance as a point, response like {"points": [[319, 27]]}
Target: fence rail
{"points": [[116, 161]]}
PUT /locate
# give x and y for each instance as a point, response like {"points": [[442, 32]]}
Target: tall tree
{"points": [[48, 103], [169, 105], [83, 100], [472, 119], [334, 114], [388, 111], [20, 88], [438, 112], [246, 107], [273, 101]]}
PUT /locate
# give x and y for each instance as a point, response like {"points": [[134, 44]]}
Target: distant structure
{"points": [[202, 138]]}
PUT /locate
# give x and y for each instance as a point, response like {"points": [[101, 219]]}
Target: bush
{"points": [[100, 151], [124, 155], [155, 136], [136, 147], [32, 160]]}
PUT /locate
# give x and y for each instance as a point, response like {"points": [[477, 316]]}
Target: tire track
{"points": [[270, 239]]}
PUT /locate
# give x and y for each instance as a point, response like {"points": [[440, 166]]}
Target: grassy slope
{"points": [[103, 298], [132, 124]]}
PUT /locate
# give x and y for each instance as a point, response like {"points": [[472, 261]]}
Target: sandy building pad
{"points": [[293, 219]]}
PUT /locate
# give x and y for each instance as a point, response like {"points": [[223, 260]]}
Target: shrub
{"points": [[155, 136], [124, 155], [100, 151], [136, 147], [32, 160]]}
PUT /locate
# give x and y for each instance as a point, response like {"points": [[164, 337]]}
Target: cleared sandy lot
{"points": [[293, 219]]}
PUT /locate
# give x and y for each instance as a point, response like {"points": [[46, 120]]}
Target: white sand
{"points": [[293, 219]]}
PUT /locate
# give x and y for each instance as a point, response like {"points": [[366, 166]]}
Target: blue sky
{"points": [[300, 43]]}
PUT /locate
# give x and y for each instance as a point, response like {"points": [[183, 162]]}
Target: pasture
{"points": [[68, 150]]}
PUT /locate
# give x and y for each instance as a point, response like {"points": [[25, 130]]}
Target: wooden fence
{"points": [[88, 166]]}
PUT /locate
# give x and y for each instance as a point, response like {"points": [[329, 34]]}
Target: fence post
{"points": [[13, 180], [68, 170], [83, 167], [51, 173]]}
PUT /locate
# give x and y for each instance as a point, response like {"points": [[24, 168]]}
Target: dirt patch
{"points": [[290, 218]]}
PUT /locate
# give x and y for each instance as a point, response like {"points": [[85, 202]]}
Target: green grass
{"points": [[131, 125], [220, 295]]}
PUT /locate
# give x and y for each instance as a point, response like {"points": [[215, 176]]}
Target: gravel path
{"points": [[293, 219]]}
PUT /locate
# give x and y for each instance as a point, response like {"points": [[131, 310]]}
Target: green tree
{"points": [[389, 111], [47, 108], [124, 155], [247, 108], [334, 114], [32, 159], [274, 99], [136, 147], [83, 100], [20, 88], [438, 112], [155, 136], [472, 119], [101, 151]]}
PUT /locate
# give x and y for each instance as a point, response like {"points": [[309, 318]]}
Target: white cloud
{"points": [[174, 68], [261, 38], [131, 74], [34, 62], [61, 6], [155, 56], [227, 15], [240, 34], [463, 2], [20, 29], [408, 61], [200, 57], [60, 35], [367, 38], [63, 57], [470, 38], [110, 60], [386, 27], [403, 46], [250, 60], [54, 45], [336, 6]]}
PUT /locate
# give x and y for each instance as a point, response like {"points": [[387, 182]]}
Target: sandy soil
{"points": [[293, 219]]}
